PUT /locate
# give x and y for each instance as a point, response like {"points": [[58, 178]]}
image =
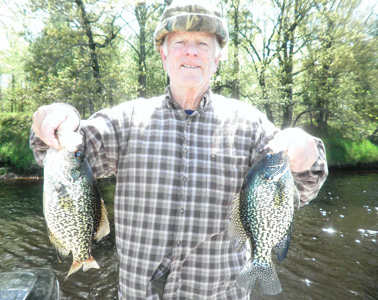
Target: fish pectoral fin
{"points": [[104, 227], [236, 231], [90, 263], [264, 273], [61, 251], [282, 247]]}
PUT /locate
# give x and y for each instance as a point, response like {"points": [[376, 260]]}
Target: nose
{"points": [[191, 49]]}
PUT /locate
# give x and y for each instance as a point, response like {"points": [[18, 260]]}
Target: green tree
{"points": [[339, 84], [140, 39], [292, 14], [67, 58], [12, 77]]}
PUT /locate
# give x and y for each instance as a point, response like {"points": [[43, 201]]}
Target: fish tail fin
{"points": [[104, 227], [266, 274], [236, 231], [90, 264], [87, 264]]}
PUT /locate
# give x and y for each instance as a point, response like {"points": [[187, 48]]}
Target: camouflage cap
{"points": [[191, 16]]}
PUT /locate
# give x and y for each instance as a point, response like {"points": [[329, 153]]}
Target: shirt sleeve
{"points": [[263, 131], [106, 136], [103, 137]]}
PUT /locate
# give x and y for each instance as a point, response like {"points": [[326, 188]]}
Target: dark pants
{"points": [[159, 283]]}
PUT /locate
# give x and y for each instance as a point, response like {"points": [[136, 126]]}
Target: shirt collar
{"points": [[172, 104]]}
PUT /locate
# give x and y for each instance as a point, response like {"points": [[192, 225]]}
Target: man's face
{"points": [[190, 59]]}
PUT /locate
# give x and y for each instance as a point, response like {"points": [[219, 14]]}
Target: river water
{"points": [[333, 253]]}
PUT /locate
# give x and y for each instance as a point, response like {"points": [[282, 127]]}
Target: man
{"points": [[179, 160]]}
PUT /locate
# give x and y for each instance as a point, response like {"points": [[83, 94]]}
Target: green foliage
{"points": [[299, 61], [79, 57], [14, 143], [345, 152], [341, 70]]}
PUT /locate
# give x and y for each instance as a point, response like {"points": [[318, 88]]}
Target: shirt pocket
{"points": [[226, 176]]}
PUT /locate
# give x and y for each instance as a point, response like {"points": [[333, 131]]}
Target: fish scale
{"points": [[262, 214]]}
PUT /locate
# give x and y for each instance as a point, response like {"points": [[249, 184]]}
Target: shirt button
{"points": [[179, 243], [182, 211], [185, 179]]}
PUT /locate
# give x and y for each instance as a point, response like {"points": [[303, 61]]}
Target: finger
{"points": [[48, 129], [70, 123]]}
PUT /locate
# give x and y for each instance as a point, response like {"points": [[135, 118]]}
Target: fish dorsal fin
{"points": [[236, 231]]}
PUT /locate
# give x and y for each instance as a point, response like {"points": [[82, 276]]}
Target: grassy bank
{"points": [[343, 152], [16, 156]]}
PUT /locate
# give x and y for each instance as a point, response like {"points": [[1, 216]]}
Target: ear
{"points": [[163, 58]]}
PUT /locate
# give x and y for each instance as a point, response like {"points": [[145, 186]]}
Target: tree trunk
{"points": [[141, 14], [287, 80], [235, 84], [93, 53], [267, 106]]}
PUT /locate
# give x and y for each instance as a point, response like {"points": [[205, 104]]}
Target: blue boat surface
{"points": [[31, 284]]}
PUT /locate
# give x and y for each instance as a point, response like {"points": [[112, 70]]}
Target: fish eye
{"points": [[78, 154]]}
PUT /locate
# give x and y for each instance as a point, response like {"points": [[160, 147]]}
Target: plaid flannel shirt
{"points": [[176, 177]]}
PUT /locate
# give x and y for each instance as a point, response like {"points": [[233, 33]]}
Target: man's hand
{"points": [[301, 148], [51, 118]]}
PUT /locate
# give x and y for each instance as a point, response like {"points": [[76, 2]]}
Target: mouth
{"points": [[189, 66]]}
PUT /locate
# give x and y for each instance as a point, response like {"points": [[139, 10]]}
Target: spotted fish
{"points": [[262, 215], [73, 208]]}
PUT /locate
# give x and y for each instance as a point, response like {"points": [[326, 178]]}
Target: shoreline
{"points": [[12, 176], [369, 168]]}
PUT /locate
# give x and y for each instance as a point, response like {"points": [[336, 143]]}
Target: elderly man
{"points": [[179, 160]]}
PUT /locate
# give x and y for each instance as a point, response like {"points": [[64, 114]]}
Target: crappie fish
{"points": [[73, 208], [263, 214]]}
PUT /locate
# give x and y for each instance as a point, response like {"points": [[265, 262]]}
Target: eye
{"points": [[269, 155], [78, 154], [204, 45]]}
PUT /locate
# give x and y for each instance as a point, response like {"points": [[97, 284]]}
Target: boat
{"points": [[30, 284]]}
